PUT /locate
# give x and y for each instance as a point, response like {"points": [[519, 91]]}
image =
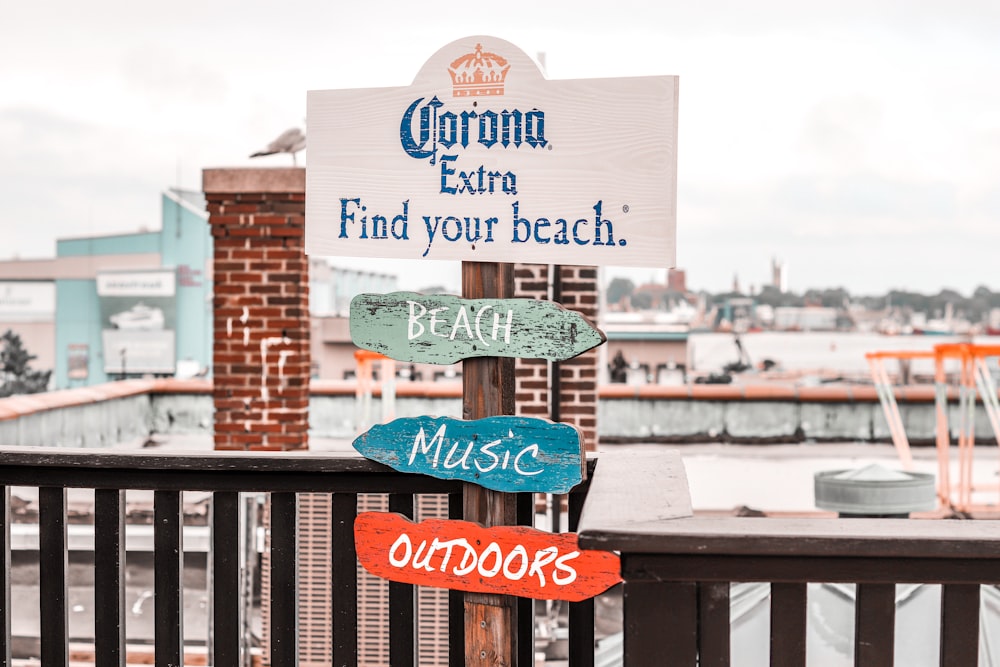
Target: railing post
{"points": [[581, 614], [661, 622], [788, 623], [168, 582], [5, 576], [488, 390], [52, 556], [109, 577], [284, 580], [960, 625], [714, 624], [345, 580], [402, 601], [874, 625], [227, 609]]}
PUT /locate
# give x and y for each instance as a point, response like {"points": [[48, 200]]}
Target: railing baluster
{"points": [[788, 624], [456, 599], [960, 625], [661, 623], [109, 577], [402, 601], [226, 612], [284, 528], [345, 581], [5, 611], [525, 607], [581, 614], [713, 624], [168, 559], [54, 618], [874, 625]]}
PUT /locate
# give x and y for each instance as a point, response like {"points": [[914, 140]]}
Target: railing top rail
{"points": [[340, 461], [209, 471], [805, 537], [639, 503], [635, 488]]}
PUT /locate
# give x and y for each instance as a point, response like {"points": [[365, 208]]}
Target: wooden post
{"points": [[487, 391]]}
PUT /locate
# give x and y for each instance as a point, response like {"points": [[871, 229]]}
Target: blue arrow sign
{"points": [[509, 454]]}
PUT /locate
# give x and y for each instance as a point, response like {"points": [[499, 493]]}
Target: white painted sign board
{"points": [[483, 159], [27, 301]]}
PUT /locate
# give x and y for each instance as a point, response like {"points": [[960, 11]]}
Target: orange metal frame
{"points": [[974, 383], [365, 385]]}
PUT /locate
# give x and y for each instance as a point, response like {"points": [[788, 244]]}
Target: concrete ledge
{"points": [[770, 392], [254, 179], [407, 389], [173, 386], [14, 407], [107, 414]]}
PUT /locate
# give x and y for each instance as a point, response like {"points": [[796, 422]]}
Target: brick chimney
{"points": [[261, 361], [577, 391]]}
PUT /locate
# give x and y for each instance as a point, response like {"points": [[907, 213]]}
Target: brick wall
{"points": [[578, 376], [261, 308]]}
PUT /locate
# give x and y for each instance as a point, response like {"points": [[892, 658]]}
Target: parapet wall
{"points": [[106, 415], [131, 411]]}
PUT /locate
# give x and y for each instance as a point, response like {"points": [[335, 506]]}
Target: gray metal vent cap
{"points": [[875, 490]]}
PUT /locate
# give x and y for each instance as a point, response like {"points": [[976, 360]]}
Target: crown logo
{"points": [[479, 73]]}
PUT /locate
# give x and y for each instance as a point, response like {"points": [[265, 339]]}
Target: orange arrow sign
{"points": [[461, 555]]}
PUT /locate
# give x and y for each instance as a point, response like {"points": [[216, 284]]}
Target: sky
{"points": [[856, 141]]}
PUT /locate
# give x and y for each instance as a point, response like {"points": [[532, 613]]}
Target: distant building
{"points": [[779, 275], [737, 313], [331, 288], [28, 308], [123, 305], [677, 280], [650, 347], [140, 304], [811, 318]]}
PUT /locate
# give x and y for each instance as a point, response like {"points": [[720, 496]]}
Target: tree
{"points": [[618, 289], [15, 368], [642, 300], [836, 297]]}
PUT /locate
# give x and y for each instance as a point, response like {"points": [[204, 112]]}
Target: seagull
{"points": [[290, 141]]}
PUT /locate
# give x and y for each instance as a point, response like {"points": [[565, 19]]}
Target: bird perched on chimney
{"points": [[290, 141]]}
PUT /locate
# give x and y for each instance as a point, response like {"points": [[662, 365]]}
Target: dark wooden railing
{"points": [[678, 570], [226, 475]]}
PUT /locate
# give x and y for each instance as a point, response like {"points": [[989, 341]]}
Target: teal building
{"points": [[138, 304]]}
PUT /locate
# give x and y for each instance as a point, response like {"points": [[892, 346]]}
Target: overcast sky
{"points": [[856, 141]]}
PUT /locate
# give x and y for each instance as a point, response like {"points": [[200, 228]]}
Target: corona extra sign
{"points": [[483, 159]]}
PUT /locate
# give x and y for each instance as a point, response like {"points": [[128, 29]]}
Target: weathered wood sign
{"points": [[510, 454], [442, 329], [462, 555], [482, 159]]}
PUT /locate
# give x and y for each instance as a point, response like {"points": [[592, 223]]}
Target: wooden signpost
{"points": [[443, 329], [510, 454], [483, 160], [462, 555]]}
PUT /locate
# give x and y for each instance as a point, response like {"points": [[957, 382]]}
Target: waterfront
{"points": [[810, 351]]}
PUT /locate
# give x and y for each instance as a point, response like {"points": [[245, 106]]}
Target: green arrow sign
{"points": [[442, 329]]}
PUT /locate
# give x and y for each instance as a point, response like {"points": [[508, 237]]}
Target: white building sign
{"points": [[138, 321], [137, 284], [483, 159], [27, 301]]}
